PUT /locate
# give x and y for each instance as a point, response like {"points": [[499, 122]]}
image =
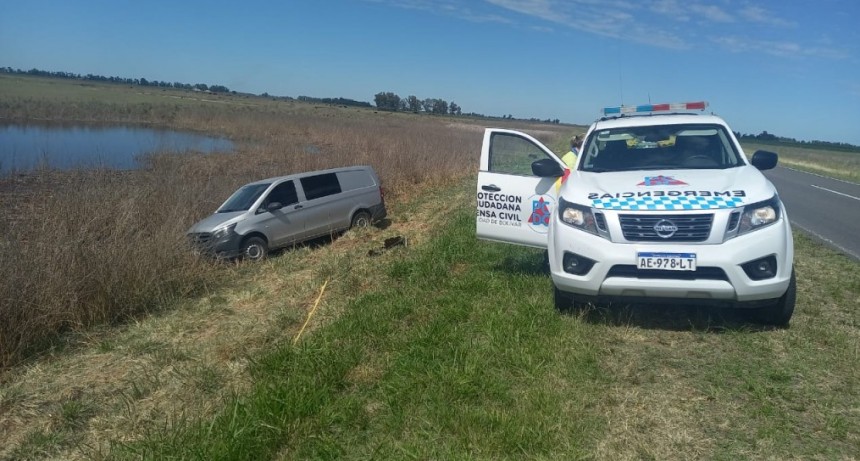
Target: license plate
{"points": [[666, 261]]}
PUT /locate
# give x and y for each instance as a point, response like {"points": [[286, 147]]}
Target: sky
{"points": [[788, 67]]}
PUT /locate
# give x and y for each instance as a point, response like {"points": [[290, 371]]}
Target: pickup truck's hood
{"points": [[668, 189]]}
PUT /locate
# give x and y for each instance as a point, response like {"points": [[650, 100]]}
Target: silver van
{"points": [[277, 212]]}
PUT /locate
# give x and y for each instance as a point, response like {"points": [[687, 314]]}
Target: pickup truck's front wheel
{"points": [[567, 302], [779, 314], [563, 301]]}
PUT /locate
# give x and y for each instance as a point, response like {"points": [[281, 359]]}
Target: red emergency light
{"points": [[698, 105]]}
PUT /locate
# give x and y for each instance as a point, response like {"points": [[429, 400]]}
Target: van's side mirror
{"points": [[546, 168], [764, 160], [274, 206]]}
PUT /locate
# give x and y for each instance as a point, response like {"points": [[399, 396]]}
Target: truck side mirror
{"points": [[764, 160], [546, 168]]}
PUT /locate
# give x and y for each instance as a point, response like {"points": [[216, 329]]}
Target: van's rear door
{"points": [[513, 204]]}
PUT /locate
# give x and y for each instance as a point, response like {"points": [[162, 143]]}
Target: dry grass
{"points": [[185, 362], [85, 248], [835, 164]]}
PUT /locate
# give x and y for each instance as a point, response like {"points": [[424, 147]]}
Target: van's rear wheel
{"points": [[361, 220], [255, 249]]}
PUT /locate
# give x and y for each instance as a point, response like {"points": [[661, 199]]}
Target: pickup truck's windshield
{"points": [[242, 199], [660, 147]]}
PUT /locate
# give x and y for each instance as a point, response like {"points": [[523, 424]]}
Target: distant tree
{"points": [[427, 105], [387, 101], [413, 103], [440, 107], [454, 108], [765, 136]]}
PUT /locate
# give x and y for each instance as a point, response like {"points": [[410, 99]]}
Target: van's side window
{"points": [[284, 193], [320, 185]]}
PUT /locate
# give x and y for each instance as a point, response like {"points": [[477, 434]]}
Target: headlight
{"points": [[223, 231], [578, 216], [759, 215]]}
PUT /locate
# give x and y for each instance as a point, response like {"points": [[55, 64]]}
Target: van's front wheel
{"points": [[255, 249], [361, 220]]}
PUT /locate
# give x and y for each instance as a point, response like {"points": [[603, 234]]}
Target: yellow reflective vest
{"points": [[569, 159]]}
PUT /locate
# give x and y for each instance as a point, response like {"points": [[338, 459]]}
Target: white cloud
{"points": [[671, 9], [669, 24], [445, 7], [543, 9], [778, 48], [618, 19], [710, 13], [759, 15]]}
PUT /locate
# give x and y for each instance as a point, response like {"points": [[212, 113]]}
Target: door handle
{"points": [[491, 188], [298, 207]]}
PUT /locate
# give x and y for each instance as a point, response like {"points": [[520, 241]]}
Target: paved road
{"points": [[826, 208]]}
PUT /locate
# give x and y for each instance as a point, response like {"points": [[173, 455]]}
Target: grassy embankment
{"points": [[90, 247], [446, 348], [449, 348], [483, 367], [835, 164]]}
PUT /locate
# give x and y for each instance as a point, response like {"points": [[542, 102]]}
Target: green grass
{"points": [[836, 164], [460, 354], [478, 367], [447, 348]]}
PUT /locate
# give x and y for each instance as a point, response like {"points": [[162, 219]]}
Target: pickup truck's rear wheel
{"points": [[255, 249], [779, 313]]}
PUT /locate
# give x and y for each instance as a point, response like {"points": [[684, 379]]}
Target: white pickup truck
{"points": [[658, 208]]}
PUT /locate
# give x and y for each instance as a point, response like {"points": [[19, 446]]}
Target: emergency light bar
{"points": [[700, 105]]}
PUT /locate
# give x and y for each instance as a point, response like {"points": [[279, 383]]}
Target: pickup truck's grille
{"points": [[666, 228], [600, 220], [701, 273], [734, 219]]}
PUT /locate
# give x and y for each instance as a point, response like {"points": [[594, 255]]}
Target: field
{"points": [[835, 164], [444, 348]]}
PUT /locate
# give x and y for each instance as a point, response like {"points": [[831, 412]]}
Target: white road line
{"points": [[820, 175], [826, 240], [838, 193]]}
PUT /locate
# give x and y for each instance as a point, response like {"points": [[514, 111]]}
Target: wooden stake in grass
{"points": [[311, 313]]}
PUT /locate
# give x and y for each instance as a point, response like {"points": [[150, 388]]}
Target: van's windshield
{"points": [[242, 199]]}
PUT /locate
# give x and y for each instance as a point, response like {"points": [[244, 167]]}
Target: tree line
{"points": [[387, 101], [120, 80], [392, 102], [768, 138]]}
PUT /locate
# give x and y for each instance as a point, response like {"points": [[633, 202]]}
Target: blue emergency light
{"points": [[621, 110]]}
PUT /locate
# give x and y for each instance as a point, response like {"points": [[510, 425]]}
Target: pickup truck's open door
{"points": [[516, 191]]}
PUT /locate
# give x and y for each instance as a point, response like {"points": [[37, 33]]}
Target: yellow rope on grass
{"points": [[311, 313]]}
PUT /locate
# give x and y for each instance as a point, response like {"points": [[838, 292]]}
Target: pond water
{"points": [[26, 147]]}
